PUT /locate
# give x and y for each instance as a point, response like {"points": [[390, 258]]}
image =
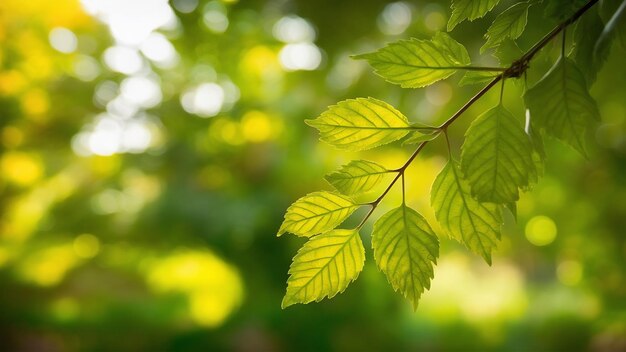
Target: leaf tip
{"points": [[487, 257], [364, 56], [451, 24], [287, 302]]}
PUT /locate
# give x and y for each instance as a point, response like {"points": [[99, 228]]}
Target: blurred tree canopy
{"points": [[149, 149]]}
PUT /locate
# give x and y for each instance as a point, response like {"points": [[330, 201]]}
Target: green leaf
{"points": [[478, 77], [507, 52], [560, 104], [419, 137], [324, 266], [405, 249], [469, 9], [614, 12], [418, 63], [497, 156], [359, 124], [315, 213], [358, 176], [509, 24], [559, 10], [477, 225], [586, 34], [512, 207]]}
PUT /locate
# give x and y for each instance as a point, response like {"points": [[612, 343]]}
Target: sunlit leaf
{"points": [[560, 104], [316, 213], [478, 77], [509, 24], [417, 63], [470, 10], [361, 123], [324, 266], [358, 176], [477, 225], [405, 249], [419, 137], [497, 156]]}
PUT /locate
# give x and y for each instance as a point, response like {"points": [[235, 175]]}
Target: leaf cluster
{"points": [[502, 153]]}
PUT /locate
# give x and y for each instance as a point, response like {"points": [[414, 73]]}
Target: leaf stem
{"points": [[516, 69], [400, 172]]}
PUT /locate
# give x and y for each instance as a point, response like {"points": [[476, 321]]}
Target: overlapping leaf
{"points": [[477, 225], [586, 53], [405, 249], [316, 213], [361, 123], [507, 52], [470, 10], [497, 156], [539, 154], [560, 104], [358, 176], [614, 14], [419, 137], [417, 63], [562, 9], [478, 77], [324, 266], [509, 24]]}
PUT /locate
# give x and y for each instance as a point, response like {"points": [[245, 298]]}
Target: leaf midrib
{"points": [[407, 128], [466, 208]]}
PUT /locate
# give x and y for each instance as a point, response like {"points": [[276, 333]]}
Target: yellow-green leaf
{"points": [[478, 77], [561, 106], [420, 137], [470, 10], [362, 123], [475, 224], [405, 249], [509, 24], [324, 266], [417, 63], [317, 212], [358, 176], [497, 156]]}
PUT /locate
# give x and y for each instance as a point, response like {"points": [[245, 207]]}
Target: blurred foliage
{"points": [[149, 149]]}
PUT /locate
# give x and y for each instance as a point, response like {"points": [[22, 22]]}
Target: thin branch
{"points": [[516, 69]]}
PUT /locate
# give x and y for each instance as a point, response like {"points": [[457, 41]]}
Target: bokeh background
{"points": [[148, 150]]}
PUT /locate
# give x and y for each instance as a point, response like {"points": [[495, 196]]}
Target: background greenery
{"points": [[149, 150]]}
